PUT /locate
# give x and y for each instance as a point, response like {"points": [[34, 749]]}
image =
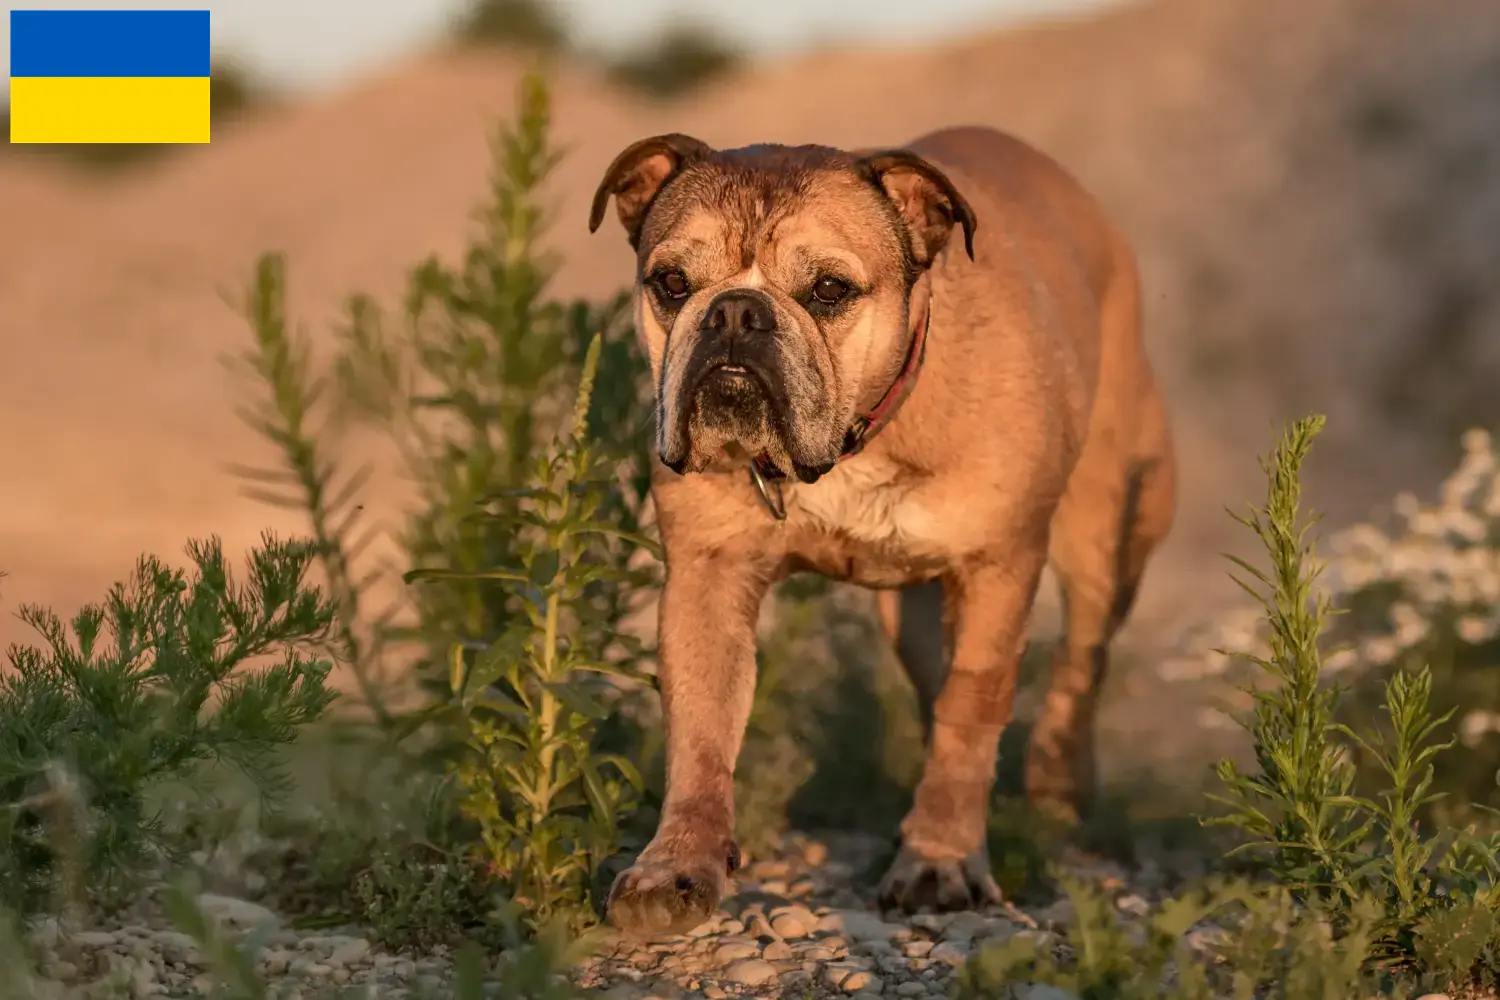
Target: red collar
{"points": [[871, 423], [865, 427]]}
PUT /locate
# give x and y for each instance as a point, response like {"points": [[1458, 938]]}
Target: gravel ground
{"points": [[800, 924]]}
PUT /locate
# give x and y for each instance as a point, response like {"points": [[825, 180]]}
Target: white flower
{"points": [[1475, 726], [1381, 650], [1340, 660], [1473, 629]]}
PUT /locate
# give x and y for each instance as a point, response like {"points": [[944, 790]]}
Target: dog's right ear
{"points": [[639, 173]]}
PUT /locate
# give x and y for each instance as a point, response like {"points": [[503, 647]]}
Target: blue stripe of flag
{"points": [[94, 43]]}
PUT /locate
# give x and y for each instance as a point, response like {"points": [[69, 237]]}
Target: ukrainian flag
{"points": [[106, 76]]}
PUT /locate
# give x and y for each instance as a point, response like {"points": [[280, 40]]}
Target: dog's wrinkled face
{"points": [[772, 289]]}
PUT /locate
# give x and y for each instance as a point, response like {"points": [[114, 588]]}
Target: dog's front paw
{"points": [[914, 881], [666, 894]]}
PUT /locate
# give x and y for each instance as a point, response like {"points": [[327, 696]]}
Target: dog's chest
{"points": [[863, 521]]}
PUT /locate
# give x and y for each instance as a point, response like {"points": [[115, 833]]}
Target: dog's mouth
{"points": [[737, 403], [735, 372], [733, 383], [731, 406]]}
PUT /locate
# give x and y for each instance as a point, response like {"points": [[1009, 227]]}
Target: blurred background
{"points": [[1313, 188]]}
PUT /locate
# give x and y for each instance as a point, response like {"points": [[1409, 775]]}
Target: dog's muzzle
{"points": [[733, 386], [735, 367]]}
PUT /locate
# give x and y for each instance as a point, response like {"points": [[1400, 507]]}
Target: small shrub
{"points": [[419, 896], [140, 690], [528, 24], [290, 417], [1299, 807], [681, 59], [1224, 940]]}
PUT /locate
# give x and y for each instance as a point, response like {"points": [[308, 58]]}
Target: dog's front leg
{"points": [[943, 862], [709, 608]]}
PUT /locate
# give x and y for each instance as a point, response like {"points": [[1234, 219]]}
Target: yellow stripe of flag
{"points": [[109, 109]]}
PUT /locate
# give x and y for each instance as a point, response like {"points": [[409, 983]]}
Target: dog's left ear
{"points": [[924, 196], [639, 173]]}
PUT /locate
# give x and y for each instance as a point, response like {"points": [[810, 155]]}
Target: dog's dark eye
{"points": [[829, 290], [673, 284]]}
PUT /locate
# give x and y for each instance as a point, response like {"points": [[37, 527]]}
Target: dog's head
{"points": [[772, 288]]}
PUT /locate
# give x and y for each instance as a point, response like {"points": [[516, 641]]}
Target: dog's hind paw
{"points": [[660, 897], [914, 881]]}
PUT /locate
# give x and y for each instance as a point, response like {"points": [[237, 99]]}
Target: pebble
{"points": [[751, 972], [176, 946], [861, 926], [93, 939], [777, 951], [788, 927], [239, 913], [759, 927], [734, 951], [948, 953], [1041, 991], [705, 929], [349, 952], [825, 943]]}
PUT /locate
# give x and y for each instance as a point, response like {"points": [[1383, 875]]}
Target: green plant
{"points": [[548, 804], [473, 387], [290, 416], [1299, 801], [1300, 807], [677, 61], [531, 24], [170, 672], [1419, 592], [467, 386], [1225, 940]]}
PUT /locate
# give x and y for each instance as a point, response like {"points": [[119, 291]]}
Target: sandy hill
{"points": [[1313, 186]]}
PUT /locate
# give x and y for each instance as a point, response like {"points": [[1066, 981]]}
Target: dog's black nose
{"points": [[740, 311]]}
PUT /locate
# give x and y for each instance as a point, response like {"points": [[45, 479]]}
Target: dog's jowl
{"points": [[916, 369]]}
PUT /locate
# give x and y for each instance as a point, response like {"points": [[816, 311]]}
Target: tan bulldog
{"points": [[916, 369]]}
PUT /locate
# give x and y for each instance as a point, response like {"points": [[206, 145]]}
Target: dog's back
{"points": [[1043, 229], [1070, 287]]}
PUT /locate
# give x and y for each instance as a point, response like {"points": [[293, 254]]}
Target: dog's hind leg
{"points": [[1115, 513], [913, 620]]}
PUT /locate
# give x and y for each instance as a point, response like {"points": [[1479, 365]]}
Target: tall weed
{"points": [[1300, 808], [527, 542], [548, 803]]}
